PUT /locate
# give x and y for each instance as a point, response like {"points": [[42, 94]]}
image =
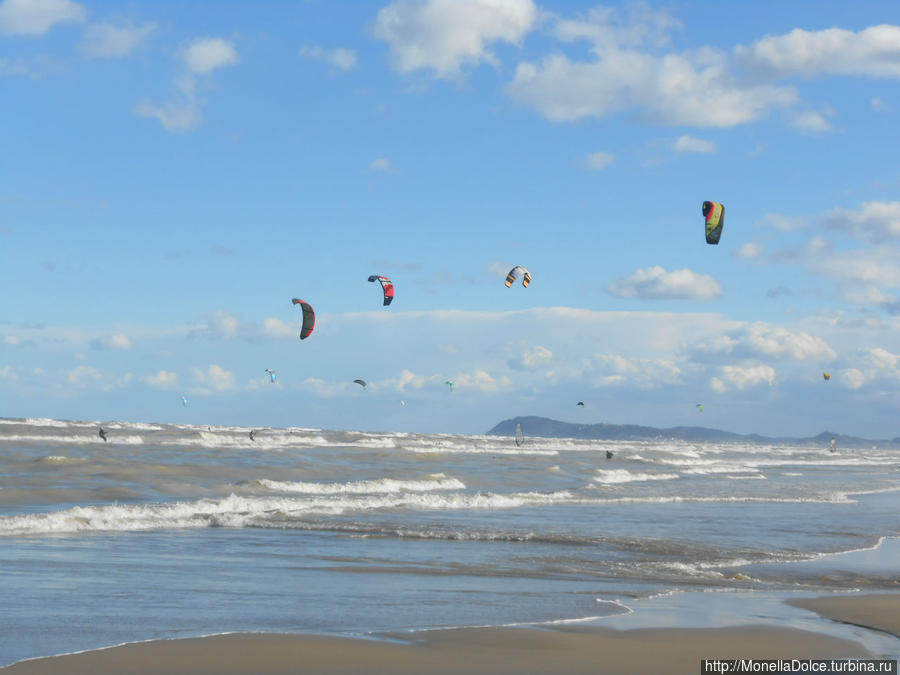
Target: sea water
{"points": [[171, 531]]}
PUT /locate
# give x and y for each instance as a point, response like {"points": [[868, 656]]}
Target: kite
{"points": [[514, 274], [361, 383], [387, 287], [309, 318], [271, 374], [449, 383], [715, 221], [580, 404], [700, 406], [827, 376], [184, 401]]}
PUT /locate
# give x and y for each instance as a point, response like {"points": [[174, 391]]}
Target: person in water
{"points": [[102, 434], [609, 454], [252, 434]]}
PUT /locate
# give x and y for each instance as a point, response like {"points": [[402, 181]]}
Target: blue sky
{"points": [[172, 174]]}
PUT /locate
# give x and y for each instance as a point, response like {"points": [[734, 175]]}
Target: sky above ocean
{"points": [[173, 174]]}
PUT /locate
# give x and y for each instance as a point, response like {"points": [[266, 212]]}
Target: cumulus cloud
{"points": [[875, 222], [644, 373], [449, 35], [872, 52], [83, 375], [762, 339], [658, 284], [204, 55], [597, 161], [481, 380], [214, 378], [163, 380], [36, 17], [813, 121], [343, 59], [112, 342], [277, 328], [107, 41], [784, 223], [536, 356], [199, 58], [687, 143], [748, 251], [693, 88], [380, 164], [746, 376]]}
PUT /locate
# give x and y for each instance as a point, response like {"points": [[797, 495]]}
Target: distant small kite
{"points": [[449, 383], [271, 374], [387, 287], [184, 401], [514, 274], [309, 318], [580, 404], [361, 383], [699, 406], [827, 376]]}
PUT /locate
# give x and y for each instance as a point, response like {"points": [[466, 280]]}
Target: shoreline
{"points": [[561, 648]]}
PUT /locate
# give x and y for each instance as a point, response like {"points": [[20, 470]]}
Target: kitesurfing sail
{"points": [[520, 438], [515, 273], [387, 287], [714, 212], [309, 318]]}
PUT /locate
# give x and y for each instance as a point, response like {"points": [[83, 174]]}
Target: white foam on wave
{"points": [[614, 476], [722, 468], [377, 486], [76, 439], [236, 511]]}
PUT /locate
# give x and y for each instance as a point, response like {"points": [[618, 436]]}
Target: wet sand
{"points": [[880, 612], [469, 650]]}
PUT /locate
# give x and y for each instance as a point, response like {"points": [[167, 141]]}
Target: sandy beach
{"points": [[487, 650]]}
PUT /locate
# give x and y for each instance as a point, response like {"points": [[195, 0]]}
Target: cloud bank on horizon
{"points": [[221, 163]]}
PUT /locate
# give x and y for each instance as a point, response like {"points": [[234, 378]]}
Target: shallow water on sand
{"points": [[175, 530]]}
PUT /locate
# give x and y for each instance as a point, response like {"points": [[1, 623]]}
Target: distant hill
{"points": [[547, 428]]}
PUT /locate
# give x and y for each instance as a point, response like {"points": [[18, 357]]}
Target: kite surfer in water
{"points": [[102, 434], [252, 434]]}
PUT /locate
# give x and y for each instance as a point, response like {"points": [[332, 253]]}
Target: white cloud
{"points": [[480, 380], [214, 378], [344, 59], [642, 25], [597, 161], [878, 104], [644, 373], [762, 339], [717, 385], [106, 41], [875, 222], [535, 357], [380, 164], [177, 116], [199, 58], [656, 283], [692, 89], [36, 17], [687, 143], [872, 52], [748, 251], [112, 342], [853, 378], [204, 55], [749, 376], [83, 375], [784, 223], [813, 121], [448, 35], [277, 328], [163, 379]]}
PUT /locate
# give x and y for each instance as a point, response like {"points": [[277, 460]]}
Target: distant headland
{"points": [[547, 428]]}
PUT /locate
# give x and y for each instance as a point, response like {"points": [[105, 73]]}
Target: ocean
{"points": [[170, 530]]}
